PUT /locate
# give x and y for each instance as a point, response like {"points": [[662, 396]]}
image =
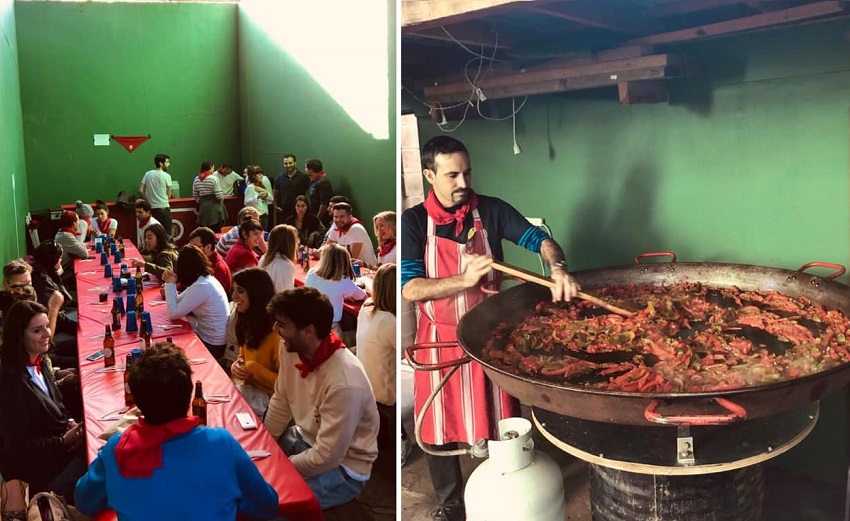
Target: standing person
{"points": [[103, 224], [448, 245], [349, 231], [203, 301], [227, 179], [323, 389], [143, 220], [166, 466], [287, 186], [204, 238], [208, 195], [335, 278], [258, 194], [309, 227], [279, 261], [320, 190], [156, 189]]}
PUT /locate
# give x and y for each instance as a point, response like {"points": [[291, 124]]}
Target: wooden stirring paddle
{"points": [[530, 276]]}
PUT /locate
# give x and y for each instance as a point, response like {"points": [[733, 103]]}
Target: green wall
{"points": [[13, 202], [286, 110], [164, 69], [748, 163]]}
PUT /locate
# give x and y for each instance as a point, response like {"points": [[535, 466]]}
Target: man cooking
{"points": [[448, 246]]}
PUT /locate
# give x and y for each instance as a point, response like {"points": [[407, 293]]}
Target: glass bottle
{"points": [[199, 404], [108, 348]]}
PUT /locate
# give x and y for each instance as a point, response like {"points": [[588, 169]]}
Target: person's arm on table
{"points": [[341, 411], [163, 260], [279, 412], [259, 499], [353, 291]]}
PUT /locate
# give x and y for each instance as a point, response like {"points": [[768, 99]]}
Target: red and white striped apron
{"points": [[469, 406]]}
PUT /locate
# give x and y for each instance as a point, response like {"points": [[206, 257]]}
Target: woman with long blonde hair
{"points": [[376, 347], [279, 260], [335, 278]]}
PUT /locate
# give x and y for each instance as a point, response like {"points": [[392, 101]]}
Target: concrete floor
{"points": [[788, 497]]}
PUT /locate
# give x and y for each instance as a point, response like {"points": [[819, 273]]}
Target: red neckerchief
{"points": [[315, 177], [442, 216], [139, 451], [325, 350], [204, 175], [103, 225], [352, 222], [145, 223], [72, 231], [36, 364], [386, 247]]}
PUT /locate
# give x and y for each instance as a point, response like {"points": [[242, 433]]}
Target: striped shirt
{"points": [[209, 186]]}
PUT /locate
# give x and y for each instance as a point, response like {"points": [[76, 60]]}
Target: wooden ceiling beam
{"points": [[690, 6], [422, 14], [474, 36], [760, 21], [586, 18]]}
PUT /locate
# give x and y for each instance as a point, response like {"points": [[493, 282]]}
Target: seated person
{"points": [[376, 347], [143, 220], [279, 261], [17, 285], [258, 361], [168, 467], [204, 238], [203, 301], [335, 279], [85, 213], [318, 375], [348, 231], [161, 252], [242, 254], [229, 238], [39, 443], [102, 224], [72, 248], [384, 224], [328, 217], [310, 229]]}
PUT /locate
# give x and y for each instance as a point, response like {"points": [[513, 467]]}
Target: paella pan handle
{"points": [[839, 269], [736, 413], [409, 353], [640, 256]]}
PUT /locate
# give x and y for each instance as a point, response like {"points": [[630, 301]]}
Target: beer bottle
{"points": [[144, 335], [120, 240], [199, 404], [128, 395], [138, 276], [108, 348], [116, 316], [140, 302]]}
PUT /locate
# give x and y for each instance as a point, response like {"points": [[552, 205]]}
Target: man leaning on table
{"points": [[168, 467], [322, 387]]}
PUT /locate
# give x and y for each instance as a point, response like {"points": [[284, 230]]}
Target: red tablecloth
{"points": [[103, 393]]}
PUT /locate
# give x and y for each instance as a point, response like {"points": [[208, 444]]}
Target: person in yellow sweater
{"points": [[255, 371]]}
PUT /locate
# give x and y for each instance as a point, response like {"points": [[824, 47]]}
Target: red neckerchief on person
{"points": [[386, 247], [103, 226], [36, 364], [442, 216], [325, 350], [315, 177], [204, 175], [139, 451], [72, 231], [144, 223], [351, 222]]}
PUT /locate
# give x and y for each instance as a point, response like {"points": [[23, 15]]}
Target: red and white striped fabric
{"points": [[469, 406]]}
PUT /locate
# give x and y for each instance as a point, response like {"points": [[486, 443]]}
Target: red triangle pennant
{"points": [[131, 143]]}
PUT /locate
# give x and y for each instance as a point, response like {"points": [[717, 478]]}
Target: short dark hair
{"points": [[144, 205], [225, 165], [290, 155], [313, 165], [159, 159], [206, 235], [440, 145], [250, 226], [13, 351], [253, 325], [206, 165], [16, 267], [304, 306], [8, 297], [343, 206], [161, 383], [47, 254], [191, 264], [338, 199]]}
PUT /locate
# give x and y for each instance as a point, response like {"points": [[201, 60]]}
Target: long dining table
{"points": [[103, 390]]}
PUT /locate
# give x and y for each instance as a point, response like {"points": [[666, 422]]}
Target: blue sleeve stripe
{"points": [[532, 238], [411, 269]]}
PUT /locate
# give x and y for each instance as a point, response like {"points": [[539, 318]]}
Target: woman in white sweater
{"points": [[203, 302], [279, 260], [258, 194], [335, 278]]}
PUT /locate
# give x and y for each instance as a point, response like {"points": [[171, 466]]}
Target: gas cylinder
{"points": [[515, 482]]}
